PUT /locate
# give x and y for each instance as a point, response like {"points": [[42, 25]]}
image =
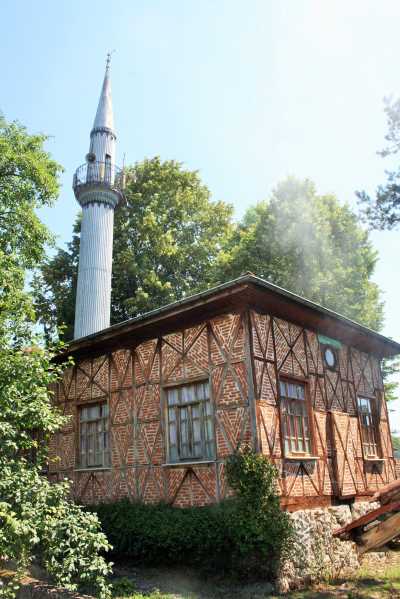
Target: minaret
{"points": [[98, 187]]}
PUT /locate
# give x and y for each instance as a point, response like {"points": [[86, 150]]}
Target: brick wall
{"points": [[242, 356], [281, 348], [131, 380]]}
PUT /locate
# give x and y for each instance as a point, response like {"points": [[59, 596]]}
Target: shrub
{"points": [[37, 520], [262, 532], [246, 535]]}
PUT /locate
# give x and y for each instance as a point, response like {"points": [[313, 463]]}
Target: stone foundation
{"points": [[316, 554]]}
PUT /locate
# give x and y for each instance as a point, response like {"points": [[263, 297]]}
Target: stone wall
{"points": [[316, 554]]}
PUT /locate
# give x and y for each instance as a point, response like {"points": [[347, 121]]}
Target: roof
{"points": [[246, 291]]}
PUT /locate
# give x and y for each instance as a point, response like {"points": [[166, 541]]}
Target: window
{"points": [[368, 430], [330, 357], [295, 418], [94, 451], [190, 424]]}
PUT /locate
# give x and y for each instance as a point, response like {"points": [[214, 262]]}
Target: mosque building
{"points": [[157, 403]]}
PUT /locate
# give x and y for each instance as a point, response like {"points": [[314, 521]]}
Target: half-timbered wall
{"points": [[131, 380], [242, 356], [281, 348]]}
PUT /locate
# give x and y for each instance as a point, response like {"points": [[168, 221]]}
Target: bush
{"points": [[246, 535]]}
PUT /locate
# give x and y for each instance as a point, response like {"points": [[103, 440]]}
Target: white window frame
{"points": [[295, 416], [368, 425], [94, 436], [189, 418]]}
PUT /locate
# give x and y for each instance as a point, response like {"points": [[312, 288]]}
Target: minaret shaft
{"points": [[98, 189], [93, 296]]}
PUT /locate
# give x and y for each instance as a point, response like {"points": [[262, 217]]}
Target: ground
{"points": [[379, 578]]}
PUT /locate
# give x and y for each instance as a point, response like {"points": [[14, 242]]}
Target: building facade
{"points": [[158, 403]]}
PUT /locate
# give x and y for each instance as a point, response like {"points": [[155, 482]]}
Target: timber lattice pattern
{"points": [[281, 348], [242, 355], [131, 381]]}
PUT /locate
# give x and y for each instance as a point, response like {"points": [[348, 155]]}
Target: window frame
{"points": [[106, 453], [308, 411], [166, 388], [326, 347], [372, 400]]}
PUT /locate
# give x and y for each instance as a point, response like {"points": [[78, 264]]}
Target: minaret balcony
{"points": [[98, 175]]}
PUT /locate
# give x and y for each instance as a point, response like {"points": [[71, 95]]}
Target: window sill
{"points": [[183, 464], [374, 459], [301, 458], [94, 469]]}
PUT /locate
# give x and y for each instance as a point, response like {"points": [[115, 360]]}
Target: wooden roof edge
{"points": [[386, 346]]}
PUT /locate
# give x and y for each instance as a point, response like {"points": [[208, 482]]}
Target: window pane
{"points": [[368, 431], [294, 414], [190, 425], [188, 394], [93, 436], [173, 398], [173, 452]]}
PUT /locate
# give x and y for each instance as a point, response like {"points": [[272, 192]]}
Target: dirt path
{"points": [[379, 578]]}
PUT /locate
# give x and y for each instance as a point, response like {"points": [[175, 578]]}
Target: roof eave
{"points": [[245, 290]]}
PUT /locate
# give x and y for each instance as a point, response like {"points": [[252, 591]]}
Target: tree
{"points": [[37, 520], [396, 443], [310, 244], [167, 237], [383, 211]]}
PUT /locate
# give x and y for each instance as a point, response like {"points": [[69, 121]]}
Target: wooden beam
{"points": [[379, 535], [367, 518]]}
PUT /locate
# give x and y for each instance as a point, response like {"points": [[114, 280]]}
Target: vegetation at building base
{"points": [[246, 535], [37, 520]]}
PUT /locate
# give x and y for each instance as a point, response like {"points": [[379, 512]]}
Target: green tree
{"points": [[167, 237], [310, 244], [37, 520], [396, 443], [383, 210]]}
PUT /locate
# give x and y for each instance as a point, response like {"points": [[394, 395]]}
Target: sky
{"points": [[245, 91]]}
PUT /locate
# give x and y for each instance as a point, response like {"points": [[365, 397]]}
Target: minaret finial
{"points": [[108, 61]]}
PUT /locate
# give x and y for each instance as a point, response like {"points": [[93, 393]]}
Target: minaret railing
{"points": [[103, 173]]}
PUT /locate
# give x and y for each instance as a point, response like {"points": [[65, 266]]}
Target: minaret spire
{"points": [[104, 115], [98, 188]]}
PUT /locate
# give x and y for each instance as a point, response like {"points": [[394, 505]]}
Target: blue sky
{"points": [[247, 92]]}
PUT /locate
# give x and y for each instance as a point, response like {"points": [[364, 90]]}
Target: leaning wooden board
{"points": [[367, 518], [380, 534]]}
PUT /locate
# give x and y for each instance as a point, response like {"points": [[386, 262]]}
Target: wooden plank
{"points": [[387, 493], [380, 534], [367, 518]]}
